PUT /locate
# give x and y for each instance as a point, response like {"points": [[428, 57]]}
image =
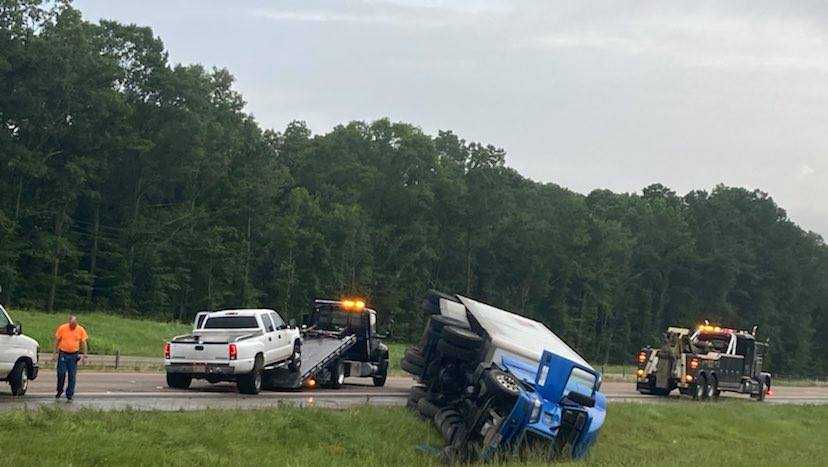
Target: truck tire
{"points": [[426, 408], [462, 337], [19, 378], [337, 375], [411, 368], [700, 389], [296, 357], [713, 388], [417, 393], [381, 376], [415, 356], [251, 383], [504, 387], [178, 380], [450, 350]]}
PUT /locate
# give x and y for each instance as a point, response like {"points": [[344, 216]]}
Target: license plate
{"points": [[199, 368]]}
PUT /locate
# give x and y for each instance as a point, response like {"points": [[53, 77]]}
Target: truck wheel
{"points": [[296, 358], [251, 383], [713, 388], [19, 379], [700, 389], [381, 376], [462, 337], [337, 375], [179, 381], [504, 387], [413, 355], [450, 350], [427, 408], [411, 368]]}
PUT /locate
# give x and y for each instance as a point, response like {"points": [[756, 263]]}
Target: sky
{"points": [[612, 94]]}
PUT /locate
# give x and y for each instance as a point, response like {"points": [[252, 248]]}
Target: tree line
{"points": [[135, 185]]}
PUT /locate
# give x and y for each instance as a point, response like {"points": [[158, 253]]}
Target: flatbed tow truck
{"points": [[704, 363], [339, 340]]}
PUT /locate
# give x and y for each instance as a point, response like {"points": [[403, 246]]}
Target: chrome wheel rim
{"points": [[507, 382], [257, 380], [24, 380]]}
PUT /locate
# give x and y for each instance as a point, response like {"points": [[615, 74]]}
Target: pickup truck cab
{"points": [[497, 383], [242, 346], [18, 355]]}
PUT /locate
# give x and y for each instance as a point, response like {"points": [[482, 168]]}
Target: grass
{"points": [[732, 433], [107, 333]]}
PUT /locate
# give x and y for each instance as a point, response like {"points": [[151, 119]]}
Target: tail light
{"points": [[694, 363], [232, 351], [642, 357], [167, 350]]}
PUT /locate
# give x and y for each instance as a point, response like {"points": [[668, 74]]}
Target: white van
{"points": [[18, 355]]}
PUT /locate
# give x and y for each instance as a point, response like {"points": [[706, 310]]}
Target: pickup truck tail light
{"points": [[167, 350], [232, 351]]}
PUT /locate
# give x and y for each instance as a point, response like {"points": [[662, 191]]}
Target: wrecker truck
{"points": [[703, 363]]}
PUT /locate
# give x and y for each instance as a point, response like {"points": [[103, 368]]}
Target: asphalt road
{"points": [[148, 391]]}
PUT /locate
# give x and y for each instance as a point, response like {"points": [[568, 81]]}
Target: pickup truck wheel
{"points": [[296, 357], [504, 387], [19, 379], [251, 383], [462, 337], [450, 350], [178, 381]]}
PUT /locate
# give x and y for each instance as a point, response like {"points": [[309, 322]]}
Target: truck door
{"points": [[270, 340], [284, 347], [7, 351]]}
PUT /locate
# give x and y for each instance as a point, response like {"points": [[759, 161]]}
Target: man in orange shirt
{"points": [[70, 346]]}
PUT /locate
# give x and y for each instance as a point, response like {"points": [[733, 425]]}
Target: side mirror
{"points": [[292, 323], [11, 329]]}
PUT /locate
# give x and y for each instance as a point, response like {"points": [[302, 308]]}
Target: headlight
{"points": [[536, 410]]}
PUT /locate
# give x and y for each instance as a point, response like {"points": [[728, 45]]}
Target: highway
{"points": [[148, 391]]}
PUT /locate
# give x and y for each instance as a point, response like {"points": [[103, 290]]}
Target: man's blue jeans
{"points": [[67, 365]]}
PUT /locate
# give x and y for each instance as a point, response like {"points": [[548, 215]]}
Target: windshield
{"points": [[719, 342], [231, 322]]}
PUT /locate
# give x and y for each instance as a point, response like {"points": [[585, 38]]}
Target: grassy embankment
{"points": [[733, 433]]}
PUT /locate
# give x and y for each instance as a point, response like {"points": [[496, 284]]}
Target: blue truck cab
{"points": [[499, 384]]}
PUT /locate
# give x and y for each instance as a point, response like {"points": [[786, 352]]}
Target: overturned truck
{"points": [[498, 384]]}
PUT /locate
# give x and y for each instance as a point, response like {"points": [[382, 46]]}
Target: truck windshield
{"points": [[717, 341], [231, 322]]}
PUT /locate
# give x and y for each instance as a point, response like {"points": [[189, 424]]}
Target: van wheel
{"points": [[178, 381], [251, 383], [337, 375], [19, 379]]}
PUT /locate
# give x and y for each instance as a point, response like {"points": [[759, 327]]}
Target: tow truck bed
{"points": [[318, 350]]}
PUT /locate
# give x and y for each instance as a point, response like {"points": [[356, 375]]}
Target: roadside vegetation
{"points": [[635, 434], [107, 333]]}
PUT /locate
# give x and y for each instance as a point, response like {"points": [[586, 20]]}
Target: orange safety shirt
{"points": [[69, 340]]}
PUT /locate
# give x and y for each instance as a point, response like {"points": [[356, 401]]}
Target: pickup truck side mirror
{"points": [[13, 330]]}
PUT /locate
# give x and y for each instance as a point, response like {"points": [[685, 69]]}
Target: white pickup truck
{"points": [[232, 345], [18, 355]]}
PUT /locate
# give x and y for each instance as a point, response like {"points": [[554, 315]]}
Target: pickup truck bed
{"points": [[318, 350]]}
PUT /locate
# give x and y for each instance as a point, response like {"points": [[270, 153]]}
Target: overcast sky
{"points": [[611, 95]]}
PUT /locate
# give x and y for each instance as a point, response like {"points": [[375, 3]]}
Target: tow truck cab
{"points": [[703, 364], [368, 356]]}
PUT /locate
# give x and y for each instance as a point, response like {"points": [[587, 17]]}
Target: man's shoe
{"points": [[68, 399], [57, 396]]}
